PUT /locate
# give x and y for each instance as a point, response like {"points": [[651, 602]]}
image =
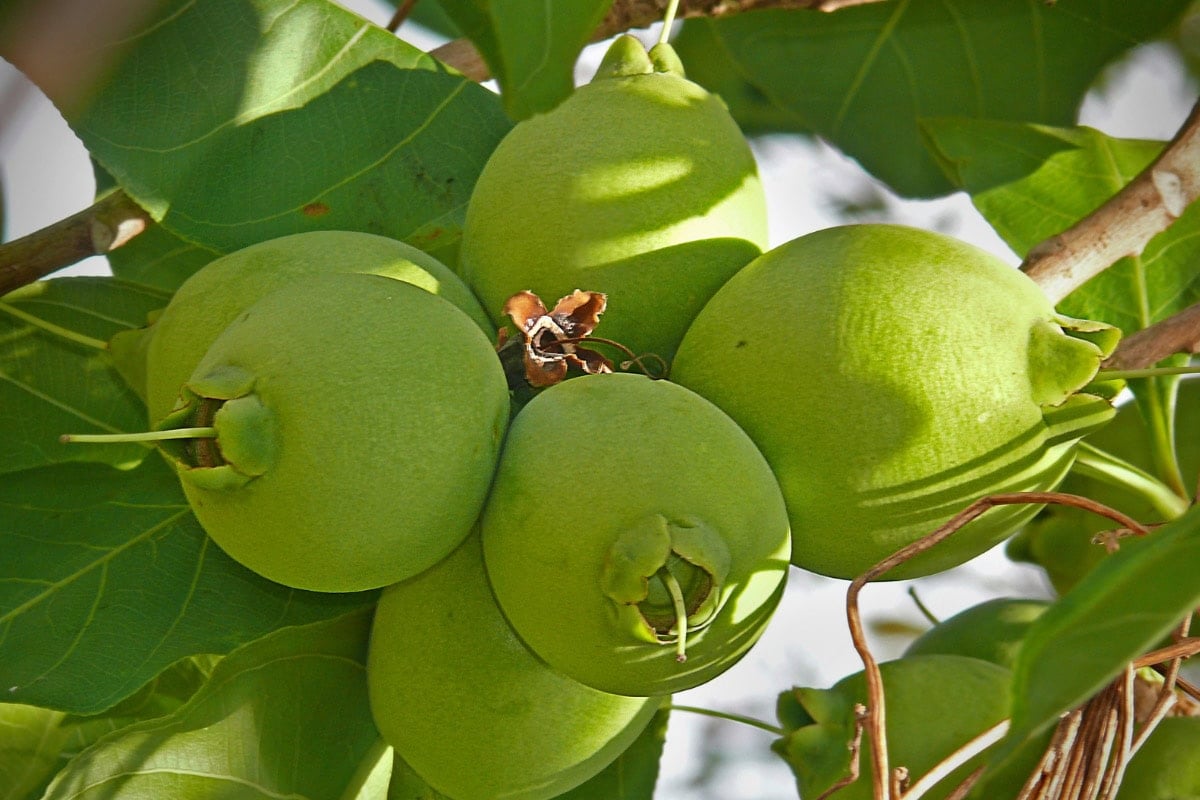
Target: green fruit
{"points": [[358, 421], [638, 185], [891, 376], [1167, 767], [211, 299], [622, 505], [991, 631], [469, 708], [934, 705]]}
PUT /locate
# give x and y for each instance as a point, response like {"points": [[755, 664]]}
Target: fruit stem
{"points": [[668, 21], [681, 621], [146, 436], [708, 712], [1093, 462], [50, 327], [1149, 372]]}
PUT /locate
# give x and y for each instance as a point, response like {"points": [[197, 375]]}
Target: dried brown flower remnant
{"points": [[552, 337]]}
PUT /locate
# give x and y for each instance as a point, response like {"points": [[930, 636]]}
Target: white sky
{"points": [[46, 176]]}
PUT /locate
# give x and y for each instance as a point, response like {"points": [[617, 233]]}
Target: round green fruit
{"points": [[211, 298], [991, 631], [469, 708], [935, 704], [639, 185], [357, 420], [891, 376], [1167, 767], [634, 536]]}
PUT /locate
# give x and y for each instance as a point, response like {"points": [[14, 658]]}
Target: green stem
{"points": [[925, 612], [1093, 462], [50, 327], [1149, 372], [146, 436], [708, 712], [668, 21], [681, 621]]}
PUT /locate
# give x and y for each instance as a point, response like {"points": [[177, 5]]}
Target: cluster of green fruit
{"points": [[339, 419]]}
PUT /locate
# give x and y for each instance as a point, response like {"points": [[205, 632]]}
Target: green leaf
{"points": [[1032, 181], [53, 381], [236, 122], [36, 743], [158, 258], [285, 716], [430, 15], [634, 773], [1118, 611], [529, 45], [864, 76], [107, 578]]}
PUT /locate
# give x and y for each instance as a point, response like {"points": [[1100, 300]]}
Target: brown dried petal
{"points": [[578, 313], [541, 371], [590, 361], [524, 308]]}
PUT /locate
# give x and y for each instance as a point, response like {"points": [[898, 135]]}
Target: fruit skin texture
{"points": [[990, 631], [595, 458], [891, 376], [469, 708], [934, 705], [1167, 767], [639, 185], [363, 421], [220, 291]]}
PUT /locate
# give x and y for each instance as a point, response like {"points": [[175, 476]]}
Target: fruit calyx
{"points": [[245, 444], [1065, 355], [627, 57], [665, 578]]}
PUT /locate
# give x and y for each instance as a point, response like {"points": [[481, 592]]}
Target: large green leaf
{"points": [[864, 76], [1119, 610], [529, 45], [35, 743], [107, 578], [52, 381], [285, 716], [1032, 181], [240, 121]]}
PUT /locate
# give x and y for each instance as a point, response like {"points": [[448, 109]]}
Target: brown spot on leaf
{"points": [[315, 210]]}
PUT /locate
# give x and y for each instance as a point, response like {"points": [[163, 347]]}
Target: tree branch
{"points": [[105, 226], [1123, 226], [1178, 333], [628, 14]]}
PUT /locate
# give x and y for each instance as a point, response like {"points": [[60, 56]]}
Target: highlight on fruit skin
{"points": [[465, 703], [221, 290], [352, 450], [639, 185], [891, 376], [634, 536]]}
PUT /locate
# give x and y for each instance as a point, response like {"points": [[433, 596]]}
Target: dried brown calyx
{"points": [[552, 338]]}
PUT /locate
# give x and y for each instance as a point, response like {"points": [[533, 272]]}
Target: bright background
{"points": [[45, 176]]}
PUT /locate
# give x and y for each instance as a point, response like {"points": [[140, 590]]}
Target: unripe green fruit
{"points": [[211, 298], [1167, 767], [469, 708], [990, 631], [358, 421], [639, 185], [935, 704], [891, 376], [620, 506]]}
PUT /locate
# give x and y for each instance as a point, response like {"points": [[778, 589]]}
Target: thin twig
{"points": [[1122, 226], [956, 759], [1178, 333], [1184, 648], [109, 223], [876, 722], [402, 12]]}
